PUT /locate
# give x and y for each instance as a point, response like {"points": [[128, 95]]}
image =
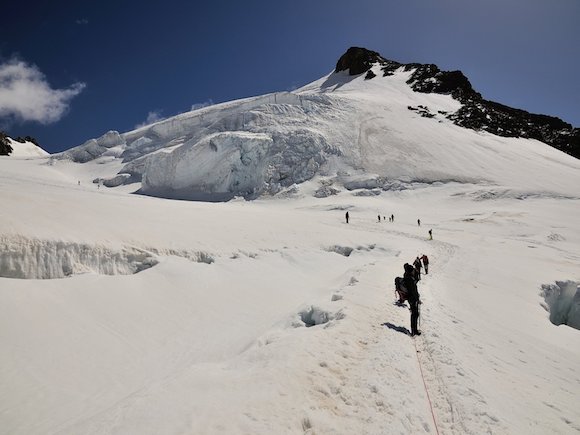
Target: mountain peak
{"points": [[358, 60], [476, 112], [355, 131]]}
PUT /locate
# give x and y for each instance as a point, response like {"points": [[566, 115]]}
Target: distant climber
{"points": [[425, 263], [418, 222], [413, 297], [346, 216], [430, 234], [379, 216], [417, 265], [392, 218]]}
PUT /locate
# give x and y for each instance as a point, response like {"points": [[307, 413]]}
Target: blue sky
{"points": [[70, 71]]}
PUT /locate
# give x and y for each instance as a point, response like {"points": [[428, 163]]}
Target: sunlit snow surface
{"points": [[130, 314], [25, 149]]}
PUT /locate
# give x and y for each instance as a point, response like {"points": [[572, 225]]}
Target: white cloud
{"points": [[202, 105], [25, 94], [82, 21], [152, 117], [155, 115]]}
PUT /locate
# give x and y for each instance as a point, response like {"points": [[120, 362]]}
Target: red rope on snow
{"points": [[425, 385]]}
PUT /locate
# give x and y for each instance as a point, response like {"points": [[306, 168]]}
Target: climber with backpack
{"points": [[417, 265], [425, 263], [413, 297]]}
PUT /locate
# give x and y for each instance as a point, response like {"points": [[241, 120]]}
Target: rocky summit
{"points": [[358, 60]]}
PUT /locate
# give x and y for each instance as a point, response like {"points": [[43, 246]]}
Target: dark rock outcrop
{"points": [[430, 79], [476, 112], [5, 147], [358, 60], [370, 75]]}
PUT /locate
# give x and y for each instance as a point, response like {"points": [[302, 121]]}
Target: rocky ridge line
{"points": [[476, 112]]}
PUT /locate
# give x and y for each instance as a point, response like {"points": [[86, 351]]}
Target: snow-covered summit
{"points": [[371, 123]]}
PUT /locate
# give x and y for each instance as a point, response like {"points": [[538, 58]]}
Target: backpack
{"points": [[400, 285], [400, 289]]}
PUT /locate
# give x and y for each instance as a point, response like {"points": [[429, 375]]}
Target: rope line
{"points": [[425, 385]]}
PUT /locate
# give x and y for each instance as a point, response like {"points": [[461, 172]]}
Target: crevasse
{"points": [[563, 303]]}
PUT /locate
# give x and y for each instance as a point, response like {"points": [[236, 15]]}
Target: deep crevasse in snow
{"points": [[563, 303]]}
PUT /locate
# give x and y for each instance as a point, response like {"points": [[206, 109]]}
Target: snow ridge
{"points": [[32, 258], [25, 258]]}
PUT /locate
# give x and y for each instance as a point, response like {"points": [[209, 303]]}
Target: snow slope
{"points": [[25, 149], [134, 314], [211, 337], [368, 132]]}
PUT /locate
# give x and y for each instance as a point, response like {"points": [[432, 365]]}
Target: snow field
{"points": [[275, 316], [228, 347]]}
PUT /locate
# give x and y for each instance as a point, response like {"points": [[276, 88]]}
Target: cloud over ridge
{"points": [[25, 94], [152, 117]]}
